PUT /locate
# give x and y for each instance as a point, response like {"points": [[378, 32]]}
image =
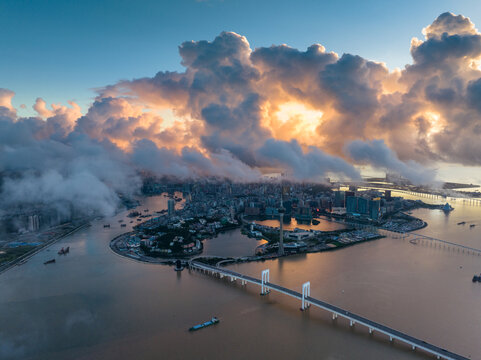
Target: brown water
{"points": [[93, 304]]}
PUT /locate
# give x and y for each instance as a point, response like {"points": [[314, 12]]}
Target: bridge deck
{"points": [[375, 326], [421, 236]]}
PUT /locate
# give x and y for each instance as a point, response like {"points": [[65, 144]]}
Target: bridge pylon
{"points": [[264, 280], [306, 291]]}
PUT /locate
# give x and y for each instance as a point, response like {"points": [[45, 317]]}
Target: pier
{"points": [[307, 301]]}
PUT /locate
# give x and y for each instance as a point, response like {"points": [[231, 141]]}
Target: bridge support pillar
{"points": [[413, 347], [390, 338], [334, 316], [243, 282], [352, 323], [306, 291], [264, 280], [370, 330]]}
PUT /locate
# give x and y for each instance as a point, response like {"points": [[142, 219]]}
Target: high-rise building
{"points": [[339, 199], [387, 195], [347, 194], [281, 228], [351, 204], [33, 223], [171, 207], [362, 206], [374, 209]]}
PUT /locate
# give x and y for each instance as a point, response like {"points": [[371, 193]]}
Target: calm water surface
{"points": [[93, 304], [324, 225]]}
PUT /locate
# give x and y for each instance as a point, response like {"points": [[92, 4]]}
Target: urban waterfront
{"points": [[94, 304], [210, 179]]}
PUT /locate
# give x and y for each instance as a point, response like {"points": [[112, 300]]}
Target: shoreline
{"points": [[37, 249], [116, 243], [250, 258]]}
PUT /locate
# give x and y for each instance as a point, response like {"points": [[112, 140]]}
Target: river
{"points": [[94, 304]]}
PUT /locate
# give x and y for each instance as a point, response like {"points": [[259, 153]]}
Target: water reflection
{"points": [[96, 305], [324, 225]]}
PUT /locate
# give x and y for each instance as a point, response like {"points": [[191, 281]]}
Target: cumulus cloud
{"points": [[378, 155], [43, 161], [235, 111], [305, 165]]}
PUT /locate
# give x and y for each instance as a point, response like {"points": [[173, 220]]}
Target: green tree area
{"points": [[10, 254]]}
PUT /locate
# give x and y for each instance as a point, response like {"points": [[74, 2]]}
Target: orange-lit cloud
{"points": [[236, 112]]}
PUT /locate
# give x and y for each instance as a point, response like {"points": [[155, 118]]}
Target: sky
{"points": [[95, 93], [62, 50]]}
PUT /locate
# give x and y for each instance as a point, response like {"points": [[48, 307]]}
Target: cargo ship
{"points": [[212, 321]]}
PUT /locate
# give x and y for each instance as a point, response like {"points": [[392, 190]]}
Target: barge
{"points": [[212, 321]]}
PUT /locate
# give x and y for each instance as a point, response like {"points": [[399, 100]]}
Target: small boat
{"points": [[412, 241], [212, 321], [472, 225], [315, 222], [476, 278], [106, 225], [121, 221], [123, 225], [462, 223], [64, 251], [131, 221], [49, 262]]}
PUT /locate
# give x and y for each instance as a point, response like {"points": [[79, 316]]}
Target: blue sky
{"points": [[61, 50]]}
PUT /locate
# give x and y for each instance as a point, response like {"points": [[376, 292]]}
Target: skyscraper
{"points": [[171, 207], [339, 199], [351, 204], [387, 195], [374, 209], [362, 206], [281, 228]]}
